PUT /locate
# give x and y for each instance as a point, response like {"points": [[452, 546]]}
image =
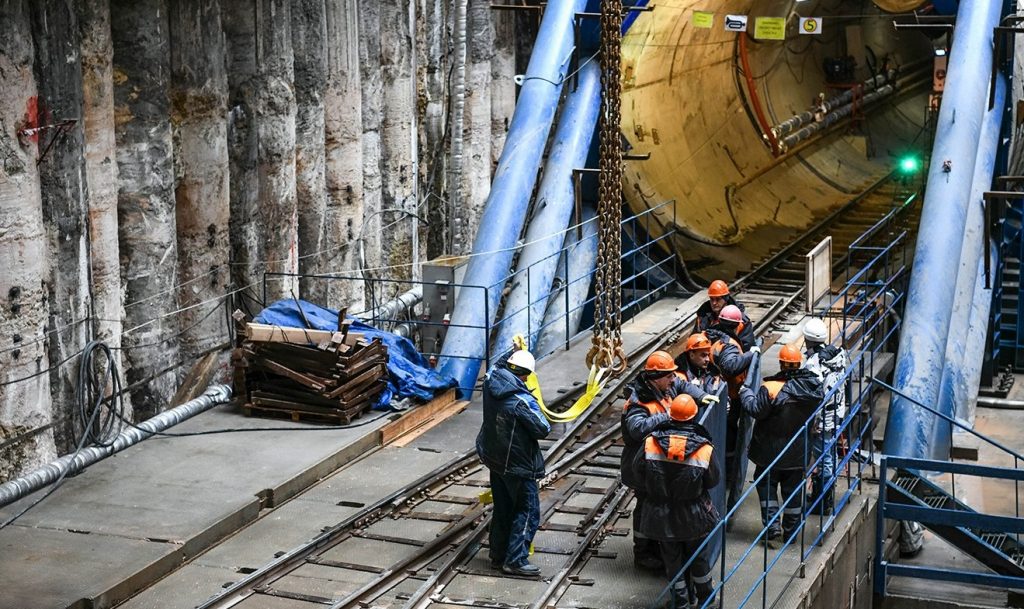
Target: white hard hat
{"points": [[522, 359], [815, 330]]}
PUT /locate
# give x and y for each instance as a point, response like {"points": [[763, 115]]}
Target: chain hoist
{"points": [[606, 350]]}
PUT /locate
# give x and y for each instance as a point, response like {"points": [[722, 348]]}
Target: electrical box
{"points": [[440, 279], [939, 73]]}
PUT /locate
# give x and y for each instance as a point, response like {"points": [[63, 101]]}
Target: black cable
{"points": [[90, 401], [211, 432]]}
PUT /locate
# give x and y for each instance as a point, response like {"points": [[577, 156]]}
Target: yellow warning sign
{"points": [[703, 19], [810, 25], [770, 28]]}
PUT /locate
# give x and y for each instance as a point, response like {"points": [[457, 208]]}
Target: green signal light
{"points": [[910, 164]]}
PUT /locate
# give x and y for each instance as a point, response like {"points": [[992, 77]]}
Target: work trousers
{"points": [[788, 480], [696, 584], [515, 519], [823, 474], [645, 550]]}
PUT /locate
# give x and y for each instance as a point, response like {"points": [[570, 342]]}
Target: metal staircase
{"points": [[1008, 316], [905, 493], [1000, 551]]}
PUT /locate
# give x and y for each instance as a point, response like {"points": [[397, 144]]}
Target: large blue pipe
{"points": [[974, 352], [922, 350], [953, 390], [535, 269], [565, 306], [504, 213]]}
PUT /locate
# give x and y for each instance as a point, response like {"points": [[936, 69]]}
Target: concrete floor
{"points": [[181, 519]]}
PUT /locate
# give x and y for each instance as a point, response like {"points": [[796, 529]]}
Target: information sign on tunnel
{"points": [[770, 28]]}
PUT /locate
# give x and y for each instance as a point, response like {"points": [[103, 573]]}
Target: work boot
{"points": [[523, 570], [647, 555]]}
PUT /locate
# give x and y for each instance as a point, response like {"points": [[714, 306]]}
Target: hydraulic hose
{"points": [[13, 490]]}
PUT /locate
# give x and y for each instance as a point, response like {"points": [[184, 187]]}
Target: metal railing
{"points": [[869, 306], [888, 510], [651, 258]]}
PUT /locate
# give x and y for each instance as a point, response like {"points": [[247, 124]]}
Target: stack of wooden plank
{"points": [[307, 374]]}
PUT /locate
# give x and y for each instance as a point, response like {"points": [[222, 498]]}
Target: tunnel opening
{"points": [[688, 103]]}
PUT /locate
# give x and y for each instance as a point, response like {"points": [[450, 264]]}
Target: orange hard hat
{"points": [[660, 361], [731, 313], [718, 289], [683, 408], [789, 354], [698, 342]]}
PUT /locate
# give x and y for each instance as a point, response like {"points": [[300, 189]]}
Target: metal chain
{"points": [[606, 350]]}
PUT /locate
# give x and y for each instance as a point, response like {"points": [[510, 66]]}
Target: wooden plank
{"points": [[296, 415], [450, 410], [197, 379], [280, 334], [312, 382], [416, 417], [352, 386]]}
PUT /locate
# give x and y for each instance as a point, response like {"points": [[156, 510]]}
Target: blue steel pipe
{"points": [[565, 306], [922, 350], [953, 390], [974, 352], [465, 346], [538, 261]]}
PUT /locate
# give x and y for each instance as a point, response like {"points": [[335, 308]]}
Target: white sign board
{"points": [[819, 274], [735, 23]]}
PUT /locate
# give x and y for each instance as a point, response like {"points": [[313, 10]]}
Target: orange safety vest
{"points": [[653, 408], [734, 382], [677, 451], [774, 387]]}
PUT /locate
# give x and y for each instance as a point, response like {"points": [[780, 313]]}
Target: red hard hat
{"points": [[683, 408], [718, 289], [789, 354], [660, 361], [731, 313], [698, 342]]}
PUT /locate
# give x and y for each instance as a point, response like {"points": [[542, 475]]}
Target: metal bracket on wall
{"points": [[61, 127], [994, 214], [1009, 26]]}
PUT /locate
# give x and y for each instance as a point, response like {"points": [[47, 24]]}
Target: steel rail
{"points": [[291, 560]]}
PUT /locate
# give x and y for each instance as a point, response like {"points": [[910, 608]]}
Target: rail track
{"points": [[425, 544]]}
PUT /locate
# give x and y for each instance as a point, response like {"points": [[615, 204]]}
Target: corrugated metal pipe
{"points": [[834, 117], [846, 97], [1001, 403], [466, 345], [390, 310], [13, 490], [930, 294]]}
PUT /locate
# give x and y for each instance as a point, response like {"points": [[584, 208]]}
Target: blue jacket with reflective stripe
{"points": [[507, 442]]}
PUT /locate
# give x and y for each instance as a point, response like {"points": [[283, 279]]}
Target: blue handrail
{"points": [[948, 418]]}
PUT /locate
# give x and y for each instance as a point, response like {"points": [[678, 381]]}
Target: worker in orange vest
{"points": [[647, 408], [783, 405], [675, 472], [733, 361], [710, 313]]}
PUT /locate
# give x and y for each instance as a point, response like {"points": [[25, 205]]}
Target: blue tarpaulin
{"points": [[409, 374]]}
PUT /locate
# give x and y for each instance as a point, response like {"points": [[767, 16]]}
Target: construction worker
{"points": [[733, 361], [830, 364], [675, 471], [507, 445], [709, 313], [782, 406], [647, 408], [695, 363]]}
